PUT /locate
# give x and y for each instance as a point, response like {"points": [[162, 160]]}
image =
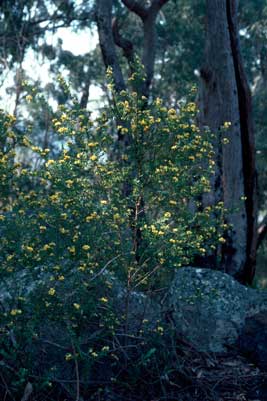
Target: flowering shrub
{"points": [[130, 208]]}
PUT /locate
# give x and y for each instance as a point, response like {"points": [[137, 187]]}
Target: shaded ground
{"points": [[195, 377]]}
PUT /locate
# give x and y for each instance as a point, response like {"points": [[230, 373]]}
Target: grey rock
{"points": [[138, 310], [252, 341], [209, 308]]}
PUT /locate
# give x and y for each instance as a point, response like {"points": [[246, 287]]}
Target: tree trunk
{"points": [[106, 41], [225, 97]]}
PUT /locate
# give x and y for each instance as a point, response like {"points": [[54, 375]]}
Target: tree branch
{"points": [[106, 41], [150, 42], [85, 93], [125, 44], [148, 16], [157, 4], [136, 7]]}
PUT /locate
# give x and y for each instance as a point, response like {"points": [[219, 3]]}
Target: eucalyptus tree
{"points": [[110, 36], [225, 102]]}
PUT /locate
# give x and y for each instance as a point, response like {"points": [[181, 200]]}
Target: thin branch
{"points": [[77, 374], [147, 275], [104, 268], [6, 387]]}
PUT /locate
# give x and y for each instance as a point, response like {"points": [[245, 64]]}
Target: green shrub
{"points": [[100, 209]]}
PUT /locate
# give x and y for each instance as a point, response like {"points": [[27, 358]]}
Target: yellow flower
{"points": [[93, 158], [29, 98], [104, 300], [85, 247], [68, 357], [225, 141], [64, 117], [61, 278], [69, 183], [26, 141], [62, 130], [35, 148], [72, 249], [76, 306], [109, 71], [2, 217], [91, 217], [15, 312], [222, 240], [167, 215], [52, 291], [54, 197], [82, 268], [28, 248], [50, 161], [191, 107], [227, 124]]}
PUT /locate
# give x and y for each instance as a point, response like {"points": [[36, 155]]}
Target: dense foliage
{"points": [[101, 212]]}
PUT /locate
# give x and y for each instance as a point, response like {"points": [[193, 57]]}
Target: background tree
{"points": [[225, 97], [110, 36]]}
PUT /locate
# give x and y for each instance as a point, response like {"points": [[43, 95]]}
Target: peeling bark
{"points": [[225, 97]]}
